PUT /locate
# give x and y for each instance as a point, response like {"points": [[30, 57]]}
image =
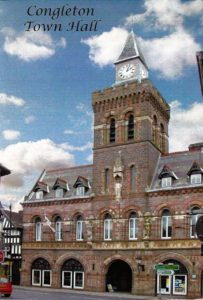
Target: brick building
{"points": [[107, 225]]}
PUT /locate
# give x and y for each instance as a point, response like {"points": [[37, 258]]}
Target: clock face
{"points": [[126, 71]]}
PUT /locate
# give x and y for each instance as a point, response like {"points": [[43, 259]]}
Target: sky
{"points": [[50, 65]]}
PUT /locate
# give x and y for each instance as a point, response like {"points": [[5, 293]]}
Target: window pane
{"points": [[78, 279], [67, 279], [79, 230], [59, 193], [36, 277], [180, 284], [38, 231], [46, 277]]}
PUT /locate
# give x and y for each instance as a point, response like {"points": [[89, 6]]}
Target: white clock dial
{"points": [[126, 71]]}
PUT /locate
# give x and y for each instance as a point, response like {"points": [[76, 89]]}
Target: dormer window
{"points": [[195, 173], [41, 188], [82, 186], [167, 176], [39, 195], [60, 187], [166, 182], [196, 178], [80, 191], [59, 193]]}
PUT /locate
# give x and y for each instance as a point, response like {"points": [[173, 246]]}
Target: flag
{"points": [[48, 223]]}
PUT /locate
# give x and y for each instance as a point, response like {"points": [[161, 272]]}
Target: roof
{"points": [[181, 164], [66, 177], [131, 49], [4, 171], [16, 217]]}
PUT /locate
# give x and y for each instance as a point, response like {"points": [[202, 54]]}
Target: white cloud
{"points": [[69, 147], [25, 158], [170, 54], [11, 100], [69, 131], [106, 47], [30, 46], [10, 135], [89, 159], [29, 119], [186, 125], [166, 14]]}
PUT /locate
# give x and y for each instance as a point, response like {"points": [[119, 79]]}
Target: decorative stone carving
{"points": [[118, 176], [147, 225]]}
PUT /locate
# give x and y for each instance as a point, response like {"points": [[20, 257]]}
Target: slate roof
{"points": [[64, 176], [180, 163], [131, 49]]}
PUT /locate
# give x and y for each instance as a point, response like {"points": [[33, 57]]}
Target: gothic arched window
{"points": [[107, 227], [112, 131], [38, 229], [166, 224], [79, 228], [58, 228], [130, 127], [133, 230]]}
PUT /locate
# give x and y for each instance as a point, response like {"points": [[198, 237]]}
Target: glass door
{"points": [[164, 284]]}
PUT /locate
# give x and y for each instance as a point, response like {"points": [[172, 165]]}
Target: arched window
{"points": [[130, 127], [107, 180], [193, 221], [154, 130], [166, 224], [72, 274], [175, 284], [58, 229], [41, 273], [132, 178], [79, 228], [162, 138], [112, 132], [133, 229], [107, 227], [38, 229]]}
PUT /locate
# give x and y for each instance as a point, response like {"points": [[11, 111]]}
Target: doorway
{"points": [[119, 276]]}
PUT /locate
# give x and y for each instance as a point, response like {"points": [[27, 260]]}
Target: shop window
{"points": [[72, 275], [41, 273]]}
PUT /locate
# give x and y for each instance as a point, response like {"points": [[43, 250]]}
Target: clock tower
{"points": [[130, 129], [131, 64]]}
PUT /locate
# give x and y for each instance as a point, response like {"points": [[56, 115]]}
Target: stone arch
{"points": [[118, 273], [101, 213], [63, 258], [132, 208]]}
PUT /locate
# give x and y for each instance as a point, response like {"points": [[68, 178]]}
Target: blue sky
{"points": [[47, 77]]}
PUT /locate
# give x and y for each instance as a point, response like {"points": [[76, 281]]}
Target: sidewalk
{"points": [[105, 295]]}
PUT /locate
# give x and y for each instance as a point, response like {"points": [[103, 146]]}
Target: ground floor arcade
{"points": [[121, 271]]}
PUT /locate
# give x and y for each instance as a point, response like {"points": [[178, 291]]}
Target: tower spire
{"points": [[131, 64]]}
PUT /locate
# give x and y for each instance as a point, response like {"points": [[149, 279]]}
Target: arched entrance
{"points": [[41, 272], [174, 283], [72, 274], [119, 276]]}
